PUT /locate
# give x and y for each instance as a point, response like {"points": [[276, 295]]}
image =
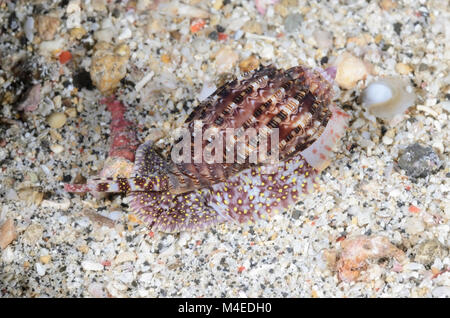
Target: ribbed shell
{"points": [[295, 101]]}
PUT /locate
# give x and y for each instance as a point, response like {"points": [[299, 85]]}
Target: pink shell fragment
{"points": [[261, 5], [358, 250], [31, 102]]}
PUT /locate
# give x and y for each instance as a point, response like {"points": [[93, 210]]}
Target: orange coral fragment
{"points": [[413, 209], [197, 25], [64, 57]]}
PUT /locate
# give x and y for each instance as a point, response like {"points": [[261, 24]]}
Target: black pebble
{"points": [[220, 28], [23, 40], [13, 22], [398, 28], [116, 13], [213, 35], [419, 161], [67, 178], [63, 3], [386, 46], [82, 79], [324, 60]]}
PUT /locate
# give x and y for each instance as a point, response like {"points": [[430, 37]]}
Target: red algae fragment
{"points": [[124, 140], [356, 251], [223, 36]]}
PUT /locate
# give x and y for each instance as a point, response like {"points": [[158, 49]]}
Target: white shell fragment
{"points": [[388, 97]]}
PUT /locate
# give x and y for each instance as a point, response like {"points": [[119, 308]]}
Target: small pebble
{"points": [[446, 106], [71, 112], [350, 70], [165, 59], [45, 259], [47, 26], [387, 140], [109, 66], [220, 28], [403, 68], [11, 194], [175, 8], [225, 59], [40, 269], [29, 29], [57, 120], [428, 251], [398, 28], [412, 266], [104, 35], [324, 39], [56, 148], [249, 64], [7, 233], [51, 48], [296, 214], [33, 234], [414, 225], [214, 35], [96, 290], [32, 196], [388, 4], [115, 215], [82, 79], [125, 257], [91, 266], [7, 255], [77, 33], [99, 5], [252, 27], [13, 22], [32, 99], [218, 4], [419, 161], [293, 22], [143, 5], [126, 277]]}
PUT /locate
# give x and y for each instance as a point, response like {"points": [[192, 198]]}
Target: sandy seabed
{"points": [[169, 53]]}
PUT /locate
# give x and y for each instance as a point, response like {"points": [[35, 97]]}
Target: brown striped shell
{"points": [[296, 101]]}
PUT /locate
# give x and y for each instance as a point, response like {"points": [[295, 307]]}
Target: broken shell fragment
{"points": [[388, 97]]}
